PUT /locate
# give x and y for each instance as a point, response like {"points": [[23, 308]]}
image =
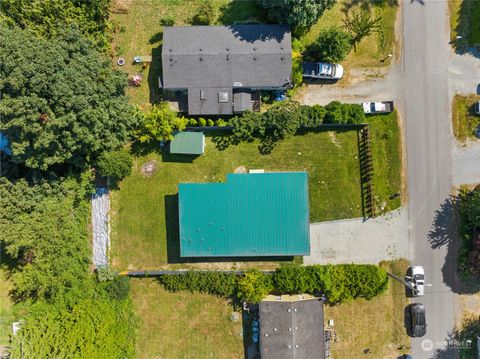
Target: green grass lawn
{"points": [[465, 122], [139, 33], [144, 209], [7, 316], [371, 50], [184, 325]]}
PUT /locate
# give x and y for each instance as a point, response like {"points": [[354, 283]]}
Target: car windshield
{"points": [[419, 277], [326, 69]]}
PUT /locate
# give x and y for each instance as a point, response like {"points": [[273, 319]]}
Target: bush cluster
{"points": [[115, 164], [338, 283]]}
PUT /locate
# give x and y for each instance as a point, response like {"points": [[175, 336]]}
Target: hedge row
{"points": [[337, 282]]}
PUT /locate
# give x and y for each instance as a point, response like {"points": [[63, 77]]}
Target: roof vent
{"points": [[201, 59], [289, 346], [228, 57], [227, 49], [289, 329], [203, 95], [274, 329], [296, 328], [254, 58], [254, 49], [296, 345], [289, 310], [282, 58], [169, 50], [223, 97], [295, 310], [199, 49], [266, 335]]}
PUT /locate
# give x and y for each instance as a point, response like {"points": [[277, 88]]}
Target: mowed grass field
{"points": [[139, 32], [144, 210], [376, 324], [465, 122], [184, 325]]}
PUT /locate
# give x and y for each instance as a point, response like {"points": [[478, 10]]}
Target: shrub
{"points": [[207, 14], [220, 123], [217, 283], [254, 285], [297, 71], [118, 288], [210, 122], [159, 124], [192, 122], [167, 20], [202, 122], [332, 45], [115, 164]]}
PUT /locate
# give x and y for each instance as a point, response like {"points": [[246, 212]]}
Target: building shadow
{"points": [[155, 72], [250, 314], [178, 158], [445, 232]]}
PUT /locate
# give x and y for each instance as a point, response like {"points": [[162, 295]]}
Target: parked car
{"points": [[417, 320], [477, 108], [371, 108], [322, 70], [415, 278]]}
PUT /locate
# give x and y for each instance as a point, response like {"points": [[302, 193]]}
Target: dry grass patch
{"points": [[375, 324], [465, 122], [184, 325]]}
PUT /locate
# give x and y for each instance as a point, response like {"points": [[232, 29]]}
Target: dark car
{"points": [[477, 108], [417, 318]]}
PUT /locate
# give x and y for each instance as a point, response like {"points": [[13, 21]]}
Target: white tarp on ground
{"points": [[101, 239]]}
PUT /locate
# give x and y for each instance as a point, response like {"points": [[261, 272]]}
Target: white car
{"points": [[322, 70], [416, 279]]}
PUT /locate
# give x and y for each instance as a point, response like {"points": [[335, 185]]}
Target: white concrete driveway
{"points": [[356, 241]]}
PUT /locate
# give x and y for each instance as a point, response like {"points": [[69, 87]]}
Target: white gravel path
{"points": [[101, 239]]}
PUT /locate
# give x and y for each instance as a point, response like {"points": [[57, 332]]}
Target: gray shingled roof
{"points": [[226, 56], [207, 101], [292, 330]]}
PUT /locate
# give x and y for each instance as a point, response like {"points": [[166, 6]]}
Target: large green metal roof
{"points": [[188, 143], [264, 214]]}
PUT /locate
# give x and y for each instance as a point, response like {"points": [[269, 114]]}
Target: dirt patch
{"points": [[240, 169], [149, 168], [334, 139], [120, 6]]}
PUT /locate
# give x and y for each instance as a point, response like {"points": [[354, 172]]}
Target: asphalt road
{"points": [[425, 64]]}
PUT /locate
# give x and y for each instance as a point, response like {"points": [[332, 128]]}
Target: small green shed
{"points": [[188, 143]]}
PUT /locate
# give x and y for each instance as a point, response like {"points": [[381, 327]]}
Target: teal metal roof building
{"points": [[250, 215]]}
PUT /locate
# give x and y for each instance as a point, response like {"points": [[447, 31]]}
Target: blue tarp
{"points": [[4, 145]]}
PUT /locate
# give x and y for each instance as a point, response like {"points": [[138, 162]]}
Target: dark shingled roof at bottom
{"points": [[292, 330]]}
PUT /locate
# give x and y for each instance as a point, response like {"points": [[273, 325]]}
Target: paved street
{"points": [[358, 241]]}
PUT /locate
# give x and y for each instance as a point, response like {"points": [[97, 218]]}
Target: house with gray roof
{"points": [[291, 327], [220, 68]]}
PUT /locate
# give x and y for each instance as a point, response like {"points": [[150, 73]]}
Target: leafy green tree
{"points": [[332, 45], [247, 126], [44, 231], [115, 164], [207, 14], [90, 329], [49, 18], [254, 285], [361, 24], [159, 123], [470, 207], [300, 14], [63, 104], [283, 119]]}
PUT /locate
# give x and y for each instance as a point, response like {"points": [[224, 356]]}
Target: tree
{"points": [[300, 14], [159, 124], [254, 285], [207, 14], [49, 18], [63, 103], [361, 24], [90, 329], [470, 207], [332, 45], [115, 164]]}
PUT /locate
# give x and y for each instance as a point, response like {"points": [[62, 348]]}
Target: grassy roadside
{"points": [[465, 122], [184, 325], [381, 318]]}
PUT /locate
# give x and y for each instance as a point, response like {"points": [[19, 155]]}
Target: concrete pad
{"points": [[356, 241]]}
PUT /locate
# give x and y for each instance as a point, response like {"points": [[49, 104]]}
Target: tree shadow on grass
{"points": [[367, 5], [241, 11], [462, 341], [445, 232]]}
